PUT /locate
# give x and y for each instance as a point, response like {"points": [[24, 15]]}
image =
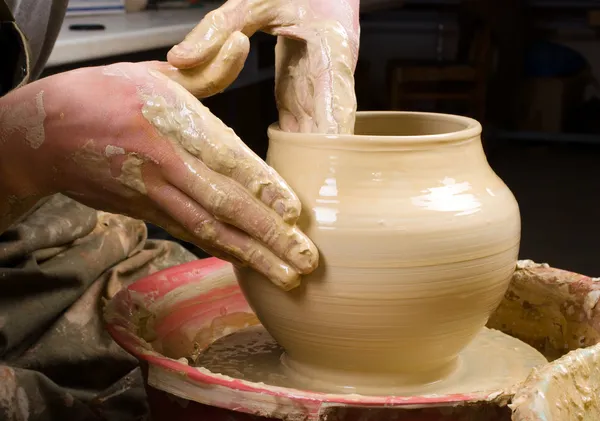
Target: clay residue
{"points": [[111, 151], [250, 354], [324, 63], [493, 362], [115, 71], [567, 389], [218, 73], [530, 264], [131, 173], [191, 347], [188, 124], [590, 302], [26, 118], [12, 396], [88, 156], [551, 309]]}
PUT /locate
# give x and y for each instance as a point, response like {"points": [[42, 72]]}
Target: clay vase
{"points": [[418, 239]]}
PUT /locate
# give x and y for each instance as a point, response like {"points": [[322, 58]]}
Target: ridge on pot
{"points": [[418, 240]]}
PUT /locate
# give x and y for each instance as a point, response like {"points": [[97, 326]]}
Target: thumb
{"points": [[215, 75], [207, 38]]}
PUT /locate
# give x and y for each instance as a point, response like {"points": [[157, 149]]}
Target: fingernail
{"points": [[285, 277], [182, 49]]}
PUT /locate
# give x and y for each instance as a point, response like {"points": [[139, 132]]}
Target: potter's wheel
{"points": [[198, 306], [493, 361]]}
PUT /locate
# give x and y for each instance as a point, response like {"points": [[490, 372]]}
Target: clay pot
{"points": [[418, 239]]}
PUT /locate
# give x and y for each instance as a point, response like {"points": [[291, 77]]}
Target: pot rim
{"points": [[471, 129]]}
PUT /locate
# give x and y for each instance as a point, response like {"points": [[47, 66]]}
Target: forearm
{"points": [[22, 132]]}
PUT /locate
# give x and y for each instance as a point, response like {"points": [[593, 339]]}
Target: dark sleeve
{"points": [[14, 70]]}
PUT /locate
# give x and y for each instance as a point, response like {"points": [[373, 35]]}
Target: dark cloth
{"points": [[58, 266], [41, 22], [28, 32], [14, 71]]}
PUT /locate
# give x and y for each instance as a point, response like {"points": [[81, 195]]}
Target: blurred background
{"points": [[527, 69]]}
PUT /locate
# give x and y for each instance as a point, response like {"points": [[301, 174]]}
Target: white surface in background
{"points": [[134, 32], [127, 33], [82, 7]]}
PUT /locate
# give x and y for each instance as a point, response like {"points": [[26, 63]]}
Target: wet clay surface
{"points": [[555, 311], [418, 241], [566, 390], [493, 361]]}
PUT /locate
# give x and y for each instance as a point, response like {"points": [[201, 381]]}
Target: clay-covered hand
{"points": [[127, 139], [316, 56]]}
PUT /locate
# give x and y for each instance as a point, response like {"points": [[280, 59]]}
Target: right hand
{"points": [[127, 139], [316, 54]]}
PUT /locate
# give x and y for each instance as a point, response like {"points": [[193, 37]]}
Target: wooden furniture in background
{"points": [[463, 80], [594, 18]]}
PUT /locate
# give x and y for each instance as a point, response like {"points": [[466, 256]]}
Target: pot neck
{"points": [[390, 131]]}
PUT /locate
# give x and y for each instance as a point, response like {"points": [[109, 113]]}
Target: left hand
{"points": [[126, 139], [316, 56]]}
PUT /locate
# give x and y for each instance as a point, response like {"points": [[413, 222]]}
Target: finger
{"points": [[178, 231], [215, 75], [210, 250], [335, 97], [335, 102], [288, 122], [294, 103], [208, 139], [169, 224], [144, 208], [206, 39], [224, 152], [205, 230], [230, 203]]}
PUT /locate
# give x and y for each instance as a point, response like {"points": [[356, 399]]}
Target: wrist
{"points": [[22, 133]]}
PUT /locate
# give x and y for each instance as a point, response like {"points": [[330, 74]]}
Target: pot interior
{"points": [[409, 124]]}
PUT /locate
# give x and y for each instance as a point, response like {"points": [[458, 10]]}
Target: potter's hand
{"points": [[127, 139], [316, 55]]}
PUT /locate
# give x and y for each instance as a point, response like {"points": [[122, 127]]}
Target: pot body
{"points": [[418, 240]]}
